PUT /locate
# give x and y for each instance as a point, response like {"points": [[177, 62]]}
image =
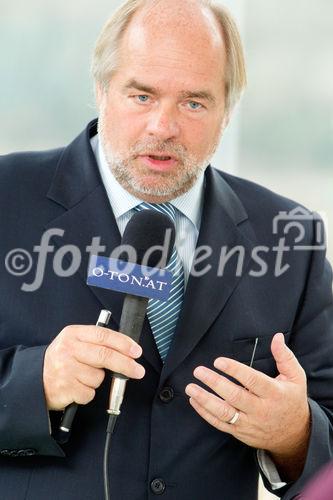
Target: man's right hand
{"points": [[74, 363]]}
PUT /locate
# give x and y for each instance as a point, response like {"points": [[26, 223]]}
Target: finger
{"points": [[212, 419], [234, 394], [100, 356], [256, 382], [89, 375], [108, 338], [83, 394], [213, 404], [286, 361]]}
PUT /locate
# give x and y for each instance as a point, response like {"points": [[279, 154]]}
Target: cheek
{"points": [[199, 137], [121, 127], [212, 134]]}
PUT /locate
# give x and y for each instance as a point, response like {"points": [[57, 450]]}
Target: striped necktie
{"points": [[163, 316]]}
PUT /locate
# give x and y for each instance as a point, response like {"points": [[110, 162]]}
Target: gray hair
{"points": [[105, 57]]}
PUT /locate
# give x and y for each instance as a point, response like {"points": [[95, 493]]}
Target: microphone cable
{"points": [[111, 425]]}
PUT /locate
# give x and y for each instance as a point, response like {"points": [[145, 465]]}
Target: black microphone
{"points": [[152, 235], [145, 230]]}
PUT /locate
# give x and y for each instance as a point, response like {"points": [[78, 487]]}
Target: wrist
{"points": [[290, 456]]}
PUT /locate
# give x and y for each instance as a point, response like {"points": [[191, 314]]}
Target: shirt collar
{"points": [[189, 204]]}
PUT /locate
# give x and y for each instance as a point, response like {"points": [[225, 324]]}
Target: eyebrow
{"points": [[134, 84], [186, 94], [198, 94]]}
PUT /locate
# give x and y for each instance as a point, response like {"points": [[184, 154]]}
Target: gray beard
{"points": [[120, 167], [121, 171]]}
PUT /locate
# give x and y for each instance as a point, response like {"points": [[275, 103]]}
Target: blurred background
{"points": [[282, 132]]}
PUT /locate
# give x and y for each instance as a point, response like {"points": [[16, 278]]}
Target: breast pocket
{"points": [[256, 352]]}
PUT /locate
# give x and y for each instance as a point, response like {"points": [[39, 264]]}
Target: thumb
{"points": [[286, 362]]}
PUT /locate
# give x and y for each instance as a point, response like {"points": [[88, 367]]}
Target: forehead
{"points": [[170, 52]]}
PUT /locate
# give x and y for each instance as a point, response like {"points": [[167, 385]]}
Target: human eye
{"points": [[141, 98], [194, 105]]}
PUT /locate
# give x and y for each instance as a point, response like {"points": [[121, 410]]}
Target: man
{"points": [[227, 398]]}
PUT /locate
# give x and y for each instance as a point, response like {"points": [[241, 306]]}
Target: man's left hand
{"points": [[273, 413]]}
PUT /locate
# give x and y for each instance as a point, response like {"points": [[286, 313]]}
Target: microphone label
{"points": [[127, 277]]}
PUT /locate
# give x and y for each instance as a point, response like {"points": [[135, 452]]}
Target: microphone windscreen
{"points": [[147, 229]]}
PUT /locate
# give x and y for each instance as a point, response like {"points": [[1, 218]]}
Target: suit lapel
{"points": [[78, 187], [224, 224]]}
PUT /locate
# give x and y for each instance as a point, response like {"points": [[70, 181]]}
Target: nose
{"points": [[163, 123]]}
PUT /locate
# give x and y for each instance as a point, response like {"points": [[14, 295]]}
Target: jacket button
{"points": [[157, 486], [167, 394]]}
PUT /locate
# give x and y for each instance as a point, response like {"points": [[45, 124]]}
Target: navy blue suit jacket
{"points": [[156, 436]]}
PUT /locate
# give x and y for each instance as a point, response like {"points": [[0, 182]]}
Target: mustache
{"points": [[149, 147]]}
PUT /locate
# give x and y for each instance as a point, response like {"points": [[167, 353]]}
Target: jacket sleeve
{"points": [[312, 343], [25, 427]]}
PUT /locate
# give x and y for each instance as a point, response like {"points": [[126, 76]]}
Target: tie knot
{"points": [[164, 208]]}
